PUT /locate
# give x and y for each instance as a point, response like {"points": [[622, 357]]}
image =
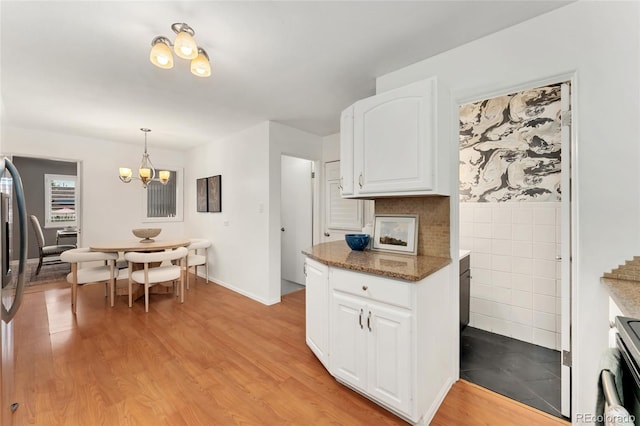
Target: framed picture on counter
{"points": [[396, 233]]}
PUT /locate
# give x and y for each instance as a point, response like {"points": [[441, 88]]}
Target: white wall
{"points": [[599, 41], [331, 148], [245, 255], [515, 278], [239, 256], [110, 208]]}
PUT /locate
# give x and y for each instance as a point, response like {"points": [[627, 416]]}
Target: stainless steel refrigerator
{"points": [[12, 281]]}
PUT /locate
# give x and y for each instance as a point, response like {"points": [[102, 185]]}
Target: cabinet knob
{"points": [[326, 234], [360, 180], [365, 288]]}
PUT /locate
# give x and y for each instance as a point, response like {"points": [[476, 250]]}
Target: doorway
{"points": [[515, 220], [296, 219]]}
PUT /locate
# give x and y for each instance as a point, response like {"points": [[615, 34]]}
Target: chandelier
{"points": [[146, 171], [184, 46]]}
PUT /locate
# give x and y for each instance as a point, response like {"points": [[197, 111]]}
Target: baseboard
{"points": [[241, 291], [442, 394]]}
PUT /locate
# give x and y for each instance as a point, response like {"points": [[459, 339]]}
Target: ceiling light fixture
{"points": [[184, 47], [146, 171]]}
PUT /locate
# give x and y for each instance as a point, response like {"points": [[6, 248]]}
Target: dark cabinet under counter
{"points": [[465, 290]]}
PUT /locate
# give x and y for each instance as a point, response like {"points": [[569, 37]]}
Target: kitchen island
{"points": [[379, 322]]}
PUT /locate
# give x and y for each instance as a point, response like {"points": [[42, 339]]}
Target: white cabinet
{"points": [[370, 348], [395, 143], [317, 309], [348, 361], [389, 355], [346, 151], [388, 339], [371, 336]]}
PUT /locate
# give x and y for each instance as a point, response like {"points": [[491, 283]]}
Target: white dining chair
{"points": [[196, 258], [105, 272], [151, 275]]}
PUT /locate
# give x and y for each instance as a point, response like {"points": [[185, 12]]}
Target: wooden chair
{"points": [[197, 259], [47, 251], [151, 275], [106, 272]]}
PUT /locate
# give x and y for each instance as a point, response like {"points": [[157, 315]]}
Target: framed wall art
{"points": [[396, 233], [214, 194], [201, 195]]}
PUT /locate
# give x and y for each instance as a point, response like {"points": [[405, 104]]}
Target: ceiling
{"points": [[82, 67]]}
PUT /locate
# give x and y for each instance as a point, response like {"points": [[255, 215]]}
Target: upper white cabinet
{"points": [[346, 151], [395, 143]]}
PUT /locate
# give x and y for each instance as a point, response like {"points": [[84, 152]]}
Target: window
{"points": [[60, 201], [163, 203]]}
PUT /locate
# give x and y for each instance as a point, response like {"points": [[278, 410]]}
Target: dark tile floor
{"points": [[522, 371]]}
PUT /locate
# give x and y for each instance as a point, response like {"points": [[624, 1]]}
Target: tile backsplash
{"points": [[433, 220], [515, 284]]}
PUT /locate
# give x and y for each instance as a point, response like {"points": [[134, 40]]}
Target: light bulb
{"points": [[185, 46], [164, 176], [200, 65], [144, 173], [125, 174], [160, 55]]}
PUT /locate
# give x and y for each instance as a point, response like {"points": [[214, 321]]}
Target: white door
{"points": [[296, 216], [565, 255], [394, 136], [348, 340], [389, 355]]}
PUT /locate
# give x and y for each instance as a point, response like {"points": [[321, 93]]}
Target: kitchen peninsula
{"points": [[404, 267], [376, 322]]}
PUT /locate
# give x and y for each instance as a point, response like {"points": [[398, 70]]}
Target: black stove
{"points": [[628, 342]]}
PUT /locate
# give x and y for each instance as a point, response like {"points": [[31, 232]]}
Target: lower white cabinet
{"points": [[317, 309], [370, 342], [388, 339]]}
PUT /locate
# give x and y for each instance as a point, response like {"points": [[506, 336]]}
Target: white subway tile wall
{"points": [[515, 274]]}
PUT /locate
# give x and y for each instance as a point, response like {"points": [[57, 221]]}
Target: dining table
{"points": [[140, 246]]}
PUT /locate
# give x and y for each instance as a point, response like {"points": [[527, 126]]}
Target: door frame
{"points": [[314, 203], [568, 205], [78, 163]]}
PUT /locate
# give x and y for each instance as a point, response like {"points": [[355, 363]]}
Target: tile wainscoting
{"points": [[515, 284]]}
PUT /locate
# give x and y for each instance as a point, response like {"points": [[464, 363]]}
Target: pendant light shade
{"points": [[185, 46], [200, 66], [160, 55]]}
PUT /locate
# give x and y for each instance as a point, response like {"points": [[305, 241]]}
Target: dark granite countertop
{"points": [[399, 266]]}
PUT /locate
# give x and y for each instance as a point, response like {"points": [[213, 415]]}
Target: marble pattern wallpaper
{"points": [[510, 147]]}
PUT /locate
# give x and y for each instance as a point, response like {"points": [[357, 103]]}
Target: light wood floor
{"points": [[219, 359]]}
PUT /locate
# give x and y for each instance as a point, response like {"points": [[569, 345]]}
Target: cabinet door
{"points": [[317, 309], [341, 213], [346, 151], [348, 340], [389, 355], [394, 145]]}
